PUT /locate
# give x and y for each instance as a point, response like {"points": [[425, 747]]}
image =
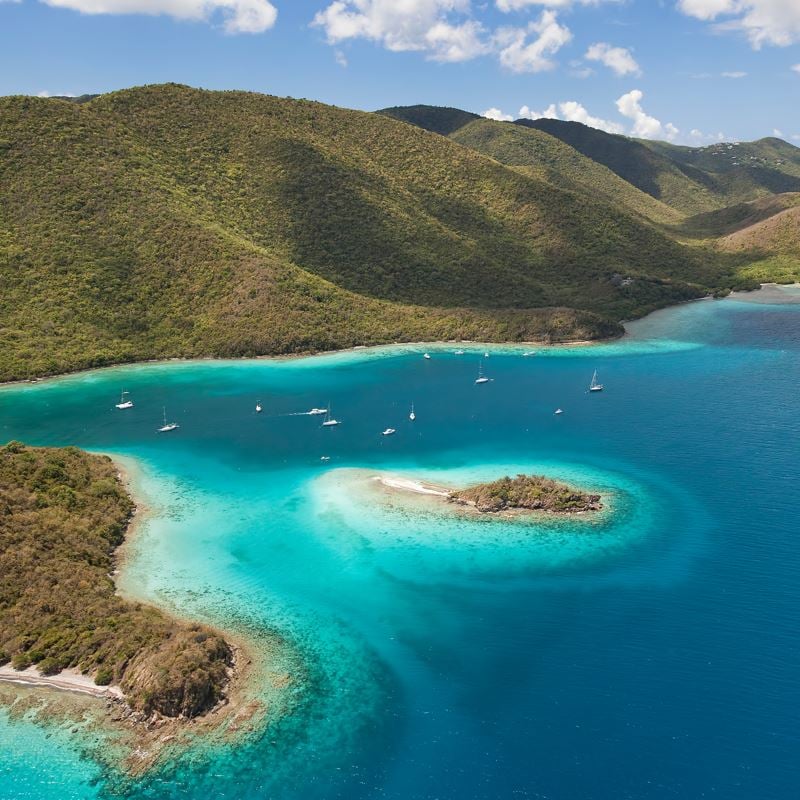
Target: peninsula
{"points": [[63, 513]]}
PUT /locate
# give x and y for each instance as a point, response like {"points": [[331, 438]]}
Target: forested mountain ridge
{"points": [[170, 221]]}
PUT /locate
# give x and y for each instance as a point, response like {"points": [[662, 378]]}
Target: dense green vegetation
{"points": [[63, 513], [438, 119], [528, 492], [689, 180], [550, 159], [168, 221], [765, 233]]}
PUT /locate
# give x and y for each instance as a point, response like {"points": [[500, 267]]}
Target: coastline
{"points": [[377, 349], [438, 496], [68, 680], [265, 673]]}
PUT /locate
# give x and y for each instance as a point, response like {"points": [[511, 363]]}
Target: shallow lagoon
{"points": [[652, 654]]}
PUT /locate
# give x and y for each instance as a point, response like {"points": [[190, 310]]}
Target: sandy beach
{"points": [[68, 680], [409, 485]]}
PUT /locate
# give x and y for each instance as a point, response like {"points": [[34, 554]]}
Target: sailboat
{"points": [[558, 411], [595, 385], [167, 426], [315, 411], [123, 403], [427, 355], [258, 408], [329, 420], [481, 377], [412, 416], [388, 432]]}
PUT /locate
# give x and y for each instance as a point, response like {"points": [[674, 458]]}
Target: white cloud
{"points": [[518, 5], [796, 68], [644, 126], [340, 58], [572, 111], [549, 113], [45, 93], [775, 22], [734, 75], [444, 30], [455, 42], [777, 132], [518, 54], [617, 59], [437, 27], [497, 115], [697, 137], [240, 16]]}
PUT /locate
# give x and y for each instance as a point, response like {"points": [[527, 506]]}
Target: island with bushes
{"points": [[63, 514], [526, 493]]}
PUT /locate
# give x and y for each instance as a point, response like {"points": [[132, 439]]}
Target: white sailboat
{"points": [[481, 377], [315, 411], [388, 432], [427, 355], [595, 385], [168, 426], [412, 416], [329, 420], [558, 411], [123, 403], [258, 408]]}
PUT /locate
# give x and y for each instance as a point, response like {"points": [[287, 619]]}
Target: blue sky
{"points": [[686, 70]]}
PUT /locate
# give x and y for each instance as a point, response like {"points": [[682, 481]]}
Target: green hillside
{"points": [[691, 180], [438, 119], [548, 158], [169, 221], [763, 234], [64, 512]]}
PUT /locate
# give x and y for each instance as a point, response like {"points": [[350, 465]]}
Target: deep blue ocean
{"points": [[650, 652]]}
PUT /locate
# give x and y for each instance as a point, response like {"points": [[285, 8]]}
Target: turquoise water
{"points": [[648, 652]]}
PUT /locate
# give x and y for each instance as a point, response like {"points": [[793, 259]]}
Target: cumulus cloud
{"points": [[775, 22], [644, 126], [697, 137], [618, 59], [572, 111], [528, 49], [518, 5], [444, 30], [437, 27], [240, 16], [549, 113], [497, 115]]}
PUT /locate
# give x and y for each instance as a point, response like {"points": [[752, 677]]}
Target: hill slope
{"points": [[64, 513], [548, 158], [168, 221], [691, 180]]}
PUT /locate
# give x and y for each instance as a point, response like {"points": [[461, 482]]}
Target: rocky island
{"points": [[63, 513], [526, 493]]}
